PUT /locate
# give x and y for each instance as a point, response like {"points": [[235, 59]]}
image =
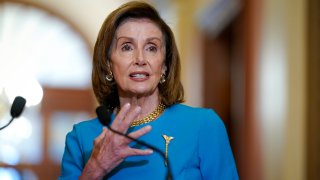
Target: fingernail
{"points": [[127, 105], [148, 127], [138, 109], [150, 151]]}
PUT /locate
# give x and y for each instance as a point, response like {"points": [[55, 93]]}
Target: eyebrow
{"points": [[130, 38]]}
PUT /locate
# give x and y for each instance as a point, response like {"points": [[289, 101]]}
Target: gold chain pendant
{"points": [[151, 117], [167, 140]]}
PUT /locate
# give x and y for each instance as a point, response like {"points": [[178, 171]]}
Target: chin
{"points": [[143, 91]]}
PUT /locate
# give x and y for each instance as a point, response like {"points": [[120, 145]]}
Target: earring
{"points": [[162, 78], [109, 76]]}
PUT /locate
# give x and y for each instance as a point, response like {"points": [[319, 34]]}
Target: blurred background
{"points": [[256, 62]]}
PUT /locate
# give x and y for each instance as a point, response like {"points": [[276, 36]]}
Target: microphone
{"points": [[16, 109], [104, 116]]}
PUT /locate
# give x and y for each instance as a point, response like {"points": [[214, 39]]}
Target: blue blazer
{"points": [[199, 149]]}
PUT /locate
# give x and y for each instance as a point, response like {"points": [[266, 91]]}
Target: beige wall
{"points": [[282, 84], [295, 146], [190, 47]]}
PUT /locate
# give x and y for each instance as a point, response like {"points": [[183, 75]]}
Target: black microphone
{"points": [[104, 116], [16, 109]]}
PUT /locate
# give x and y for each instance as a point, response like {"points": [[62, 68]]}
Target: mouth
{"points": [[139, 75]]}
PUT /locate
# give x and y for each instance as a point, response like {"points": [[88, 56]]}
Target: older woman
{"points": [[136, 75]]}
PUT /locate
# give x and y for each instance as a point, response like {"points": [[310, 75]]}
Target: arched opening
{"points": [[44, 59]]}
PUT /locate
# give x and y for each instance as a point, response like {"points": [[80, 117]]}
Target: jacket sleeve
{"points": [[72, 161], [216, 158]]}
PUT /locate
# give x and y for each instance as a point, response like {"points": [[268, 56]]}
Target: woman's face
{"points": [[137, 57]]}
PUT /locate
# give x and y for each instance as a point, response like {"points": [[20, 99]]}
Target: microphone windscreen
{"points": [[104, 115], [17, 106]]}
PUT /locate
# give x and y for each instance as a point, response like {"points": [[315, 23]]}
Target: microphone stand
{"points": [[7, 124]]}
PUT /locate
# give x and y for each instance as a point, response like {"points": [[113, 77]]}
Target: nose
{"points": [[140, 59]]}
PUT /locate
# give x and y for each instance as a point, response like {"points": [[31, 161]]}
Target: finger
{"points": [[131, 116], [139, 152], [140, 132], [121, 115], [101, 136]]}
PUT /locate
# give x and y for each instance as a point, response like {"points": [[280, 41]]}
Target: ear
{"points": [[109, 64], [164, 69]]}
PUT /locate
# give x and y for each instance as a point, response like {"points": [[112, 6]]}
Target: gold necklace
{"points": [[151, 117]]}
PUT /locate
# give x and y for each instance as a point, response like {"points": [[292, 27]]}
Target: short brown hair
{"points": [[171, 91]]}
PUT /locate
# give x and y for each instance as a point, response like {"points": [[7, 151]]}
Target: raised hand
{"points": [[110, 149]]}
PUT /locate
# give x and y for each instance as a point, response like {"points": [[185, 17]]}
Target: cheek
{"points": [[159, 64], [118, 69]]}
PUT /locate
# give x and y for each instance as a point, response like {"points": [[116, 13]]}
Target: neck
{"points": [[147, 103]]}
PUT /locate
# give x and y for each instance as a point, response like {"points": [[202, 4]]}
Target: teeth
{"points": [[139, 75]]}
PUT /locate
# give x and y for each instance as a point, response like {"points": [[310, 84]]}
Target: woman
{"points": [[136, 75]]}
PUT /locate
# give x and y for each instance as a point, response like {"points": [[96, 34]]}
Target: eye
{"points": [[152, 48], [126, 47]]}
